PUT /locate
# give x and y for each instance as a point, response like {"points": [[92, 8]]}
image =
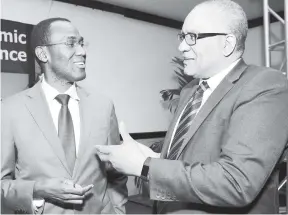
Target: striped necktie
{"points": [[186, 119]]}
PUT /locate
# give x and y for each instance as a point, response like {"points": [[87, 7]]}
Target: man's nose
{"points": [[184, 47], [80, 50]]}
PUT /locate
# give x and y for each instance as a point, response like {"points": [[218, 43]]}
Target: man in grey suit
{"points": [[221, 151], [48, 164]]}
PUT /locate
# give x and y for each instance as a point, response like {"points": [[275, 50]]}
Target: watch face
{"points": [[145, 169]]}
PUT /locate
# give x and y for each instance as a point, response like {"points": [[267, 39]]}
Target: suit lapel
{"points": [[223, 88], [38, 108], [86, 111]]}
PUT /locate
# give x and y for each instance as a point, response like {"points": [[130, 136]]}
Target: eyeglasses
{"points": [[190, 38], [71, 42]]}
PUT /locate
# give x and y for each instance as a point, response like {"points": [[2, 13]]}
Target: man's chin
{"points": [[79, 74], [81, 78], [77, 78], [189, 72]]}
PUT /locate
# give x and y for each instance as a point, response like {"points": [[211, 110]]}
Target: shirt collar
{"points": [[215, 80], [50, 92]]}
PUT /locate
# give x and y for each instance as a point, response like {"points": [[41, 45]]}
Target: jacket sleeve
{"points": [[117, 188], [16, 194], [253, 144]]}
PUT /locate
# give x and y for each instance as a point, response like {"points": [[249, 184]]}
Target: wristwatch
{"points": [[145, 169]]}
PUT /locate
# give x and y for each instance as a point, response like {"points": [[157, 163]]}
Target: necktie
{"points": [[66, 130], [186, 119]]}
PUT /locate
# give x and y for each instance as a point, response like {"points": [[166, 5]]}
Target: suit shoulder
{"points": [[267, 77], [261, 81], [100, 98], [96, 98], [14, 99]]}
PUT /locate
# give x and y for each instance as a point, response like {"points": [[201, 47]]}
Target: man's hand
{"points": [[128, 157], [61, 190], [148, 152]]}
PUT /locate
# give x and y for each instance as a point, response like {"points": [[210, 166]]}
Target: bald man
{"points": [[230, 129]]}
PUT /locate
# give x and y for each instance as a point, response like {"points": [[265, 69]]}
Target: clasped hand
{"points": [[128, 157], [61, 190]]}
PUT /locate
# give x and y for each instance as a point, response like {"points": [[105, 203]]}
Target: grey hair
{"points": [[236, 20]]}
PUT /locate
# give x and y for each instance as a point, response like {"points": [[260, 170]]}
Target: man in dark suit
{"points": [[49, 132], [229, 131]]}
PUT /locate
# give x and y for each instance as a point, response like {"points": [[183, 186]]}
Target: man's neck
{"points": [[223, 66], [60, 85]]}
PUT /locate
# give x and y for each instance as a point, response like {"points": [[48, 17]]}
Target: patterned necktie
{"points": [[186, 119], [66, 130]]}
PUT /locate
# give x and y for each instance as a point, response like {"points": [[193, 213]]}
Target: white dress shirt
{"points": [[212, 82], [54, 107]]}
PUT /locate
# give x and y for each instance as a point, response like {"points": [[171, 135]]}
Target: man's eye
{"points": [[191, 37], [81, 43], [71, 45]]}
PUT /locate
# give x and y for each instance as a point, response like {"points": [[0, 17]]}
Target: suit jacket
{"points": [[227, 163], [31, 151]]}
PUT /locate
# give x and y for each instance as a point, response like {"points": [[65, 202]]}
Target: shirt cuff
{"points": [[37, 205]]}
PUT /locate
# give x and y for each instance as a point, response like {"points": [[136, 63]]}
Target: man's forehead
{"points": [[195, 25], [200, 20], [59, 30]]}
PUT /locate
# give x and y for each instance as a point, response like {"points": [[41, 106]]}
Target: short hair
{"points": [[41, 33], [236, 20]]}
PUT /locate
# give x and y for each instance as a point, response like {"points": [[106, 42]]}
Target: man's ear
{"points": [[40, 53], [229, 45]]}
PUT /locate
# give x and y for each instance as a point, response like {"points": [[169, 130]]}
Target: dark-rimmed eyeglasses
{"points": [[71, 42], [190, 38]]}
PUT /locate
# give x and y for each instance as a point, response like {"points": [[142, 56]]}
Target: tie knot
{"points": [[203, 86], [63, 99]]}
